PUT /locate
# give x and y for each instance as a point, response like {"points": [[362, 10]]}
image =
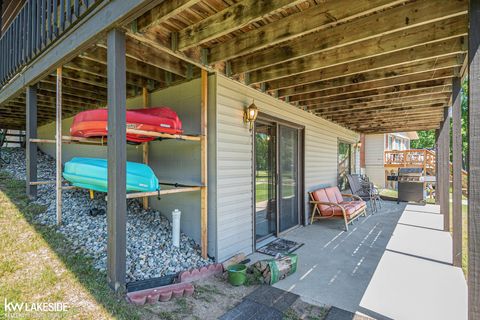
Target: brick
{"points": [[202, 273], [162, 294]]}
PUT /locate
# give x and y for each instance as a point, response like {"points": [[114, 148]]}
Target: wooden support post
{"points": [[204, 169], [58, 144], [474, 161], [362, 153], [145, 145], [444, 169], [457, 172], [117, 160], [31, 132], [437, 176]]}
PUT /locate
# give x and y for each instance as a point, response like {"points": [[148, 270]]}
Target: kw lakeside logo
{"points": [[19, 309]]}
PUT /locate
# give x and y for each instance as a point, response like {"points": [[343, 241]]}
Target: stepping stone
{"points": [[340, 314], [250, 310], [273, 297]]}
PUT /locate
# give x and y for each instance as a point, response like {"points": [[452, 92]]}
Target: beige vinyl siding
{"points": [[235, 159], [171, 160], [374, 154]]}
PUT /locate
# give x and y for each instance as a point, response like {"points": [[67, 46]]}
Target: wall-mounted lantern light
{"points": [[250, 114]]}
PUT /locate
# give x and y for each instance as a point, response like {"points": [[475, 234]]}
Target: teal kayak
{"points": [[91, 173]]}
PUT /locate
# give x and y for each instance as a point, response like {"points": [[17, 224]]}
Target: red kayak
{"points": [[93, 123]]}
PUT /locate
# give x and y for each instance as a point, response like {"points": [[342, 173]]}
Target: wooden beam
{"points": [[398, 128], [283, 75], [340, 94], [372, 102], [380, 95], [444, 169], [474, 162], [46, 87], [98, 70], [399, 19], [434, 114], [335, 72], [146, 104], [316, 18], [147, 54], [228, 20], [31, 148], [409, 73], [394, 125], [135, 67], [76, 75], [457, 161], [117, 157], [58, 146], [204, 163], [49, 82], [387, 44], [348, 112], [163, 12], [162, 192], [74, 103], [384, 113]]}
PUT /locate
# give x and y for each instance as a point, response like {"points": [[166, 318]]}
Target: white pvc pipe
{"points": [[176, 227]]}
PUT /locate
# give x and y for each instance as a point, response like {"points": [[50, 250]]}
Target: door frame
{"points": [[265, 118]]}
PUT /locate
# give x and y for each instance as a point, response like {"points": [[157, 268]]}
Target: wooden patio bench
{"points": [[330, 203]]}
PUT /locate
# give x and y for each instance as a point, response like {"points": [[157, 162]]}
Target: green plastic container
{"points": [[237, 274]]}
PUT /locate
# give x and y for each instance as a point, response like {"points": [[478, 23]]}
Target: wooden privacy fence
{"points": [[37, 25]]}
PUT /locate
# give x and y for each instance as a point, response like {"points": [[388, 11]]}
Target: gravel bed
{"points": [[150, 252]]}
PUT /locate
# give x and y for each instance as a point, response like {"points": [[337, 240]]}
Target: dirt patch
{"points": [[212, 298]]}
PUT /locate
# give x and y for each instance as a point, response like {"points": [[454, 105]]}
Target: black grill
{"points": [[411, 185]]}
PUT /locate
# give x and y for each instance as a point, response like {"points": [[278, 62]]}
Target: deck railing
{"points": [[37, 25], [410, 158]]}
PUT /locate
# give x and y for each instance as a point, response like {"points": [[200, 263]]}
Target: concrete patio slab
{"points": [[422, 219], [405, 287], [388, 265], [422, 242]]}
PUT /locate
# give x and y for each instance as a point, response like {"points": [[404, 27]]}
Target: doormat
{"points": [[280, 246]]}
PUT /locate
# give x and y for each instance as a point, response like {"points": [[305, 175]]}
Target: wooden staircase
{"points": [[12, 139]]}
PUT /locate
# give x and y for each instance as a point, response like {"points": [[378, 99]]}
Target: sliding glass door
{"points": [[277, 173], [344, 164], [288, 177], [265, 181]]}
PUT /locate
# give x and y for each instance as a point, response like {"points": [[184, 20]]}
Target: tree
{"points": [[427, 138]]}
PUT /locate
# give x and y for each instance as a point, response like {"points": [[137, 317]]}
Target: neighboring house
{"points": [[375, 147]]}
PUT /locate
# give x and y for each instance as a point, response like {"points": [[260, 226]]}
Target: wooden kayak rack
{"points": [[60, 139], [103, 141]]}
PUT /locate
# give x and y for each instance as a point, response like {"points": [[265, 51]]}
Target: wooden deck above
{"points": [[370, 65], [414, 158]]}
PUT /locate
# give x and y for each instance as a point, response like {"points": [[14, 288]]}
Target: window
{"points": [[344, 164]]}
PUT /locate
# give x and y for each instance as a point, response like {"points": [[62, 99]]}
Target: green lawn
{"points": [[261, 189], [38, 265]]}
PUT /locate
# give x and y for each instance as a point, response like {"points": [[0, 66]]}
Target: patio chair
{"points": [[363, 189], [330, 203]]}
